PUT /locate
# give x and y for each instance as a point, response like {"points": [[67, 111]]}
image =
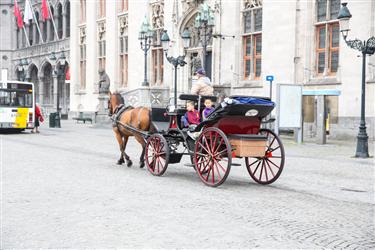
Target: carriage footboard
{"points": [[245, 145]]}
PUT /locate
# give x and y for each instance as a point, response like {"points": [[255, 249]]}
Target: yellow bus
{"points": [[17, 105]]}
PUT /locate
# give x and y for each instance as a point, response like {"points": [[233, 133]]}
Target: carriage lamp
{"points": [[145, 37], [204, 23], [175, 61], [366, 48]]}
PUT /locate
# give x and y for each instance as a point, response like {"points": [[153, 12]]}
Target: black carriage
{"points": [[232, 130]]}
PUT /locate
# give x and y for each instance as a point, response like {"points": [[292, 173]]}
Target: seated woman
{"points": [[191, 118]]}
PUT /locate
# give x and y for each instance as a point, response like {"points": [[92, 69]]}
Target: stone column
{"points": [[55, 86], [64, 26], [321, 120], [35, 31], [92, 78], [49, 24], [112, 38], [41, 90]]}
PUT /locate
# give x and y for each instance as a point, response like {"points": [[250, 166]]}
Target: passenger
{"points": [[208, 109], [202, 86], [191, 118]]}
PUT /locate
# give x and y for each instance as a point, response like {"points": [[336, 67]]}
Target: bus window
{"points": [[16, 99]]}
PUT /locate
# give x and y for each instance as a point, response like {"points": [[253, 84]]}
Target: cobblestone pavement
{"points": [[62, 189]]}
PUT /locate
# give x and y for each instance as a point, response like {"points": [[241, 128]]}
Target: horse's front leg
{"points": [[127, 158], [121, 145]]}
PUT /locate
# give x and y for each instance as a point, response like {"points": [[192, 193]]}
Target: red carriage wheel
{"points": [[268, 168], [157, 154], [213, 156]]}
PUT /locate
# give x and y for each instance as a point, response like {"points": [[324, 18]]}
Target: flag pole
{"points": [[53, 21], [26, 36], [36, 22]]}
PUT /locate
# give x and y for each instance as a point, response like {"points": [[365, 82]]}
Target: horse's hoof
{"points": [[129, 163], [141, 165]]}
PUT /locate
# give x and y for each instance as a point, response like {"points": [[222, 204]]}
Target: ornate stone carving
{"points": [[133, 100], [123, 23], [194, 33], [101, 29], [252, 4], [157, 16], [156, 98], [187, 5], [82, 34]]}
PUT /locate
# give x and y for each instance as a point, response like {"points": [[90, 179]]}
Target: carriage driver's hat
{"points": [[201, 71]]}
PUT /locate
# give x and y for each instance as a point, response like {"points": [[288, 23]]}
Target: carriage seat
{"points": [[159, 121], [195, 98]]}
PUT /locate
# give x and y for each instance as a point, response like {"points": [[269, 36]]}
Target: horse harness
{"points": [[120, 109]]}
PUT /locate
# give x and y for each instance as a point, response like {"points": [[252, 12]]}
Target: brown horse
{"points": [[138, 118]]}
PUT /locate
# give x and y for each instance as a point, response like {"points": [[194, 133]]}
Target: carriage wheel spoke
{"points": [[217, 171], [219, 154], [272, 142], [261, 171], [253, 163], [272, 162], [215, 146], [256, 169], [274, 149], [203, 147], [265, 170], [273, 175], [208, 147], [222, 168]]}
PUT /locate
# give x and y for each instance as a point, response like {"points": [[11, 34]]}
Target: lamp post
{"points": [[22, 67], [204, 22], [175, 61], [145, 37], [366, 48], [62, 76]]}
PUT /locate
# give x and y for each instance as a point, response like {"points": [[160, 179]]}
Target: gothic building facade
{"points": [[39, 51], [298, 42]]}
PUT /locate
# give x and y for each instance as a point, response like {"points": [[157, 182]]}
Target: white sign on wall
{"points": [[289, 100]]}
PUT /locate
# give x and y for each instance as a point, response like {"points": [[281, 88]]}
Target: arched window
{"points": [[51, 28], [67, 18], [59, 22]]}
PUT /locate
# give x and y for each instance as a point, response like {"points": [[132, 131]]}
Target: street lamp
{"points": [[61, 76], [366, 48], [175, 61], [22, 68], [204, 22], [145, 37]]}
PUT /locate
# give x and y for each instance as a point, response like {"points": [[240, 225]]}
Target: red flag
{"points": [[45, 14], [67, 75], [17, 13]]}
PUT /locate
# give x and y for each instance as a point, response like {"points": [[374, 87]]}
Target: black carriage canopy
{"points": [[245, 106]]}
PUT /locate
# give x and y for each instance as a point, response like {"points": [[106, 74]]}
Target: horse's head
{"points": [[114, 101]]}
